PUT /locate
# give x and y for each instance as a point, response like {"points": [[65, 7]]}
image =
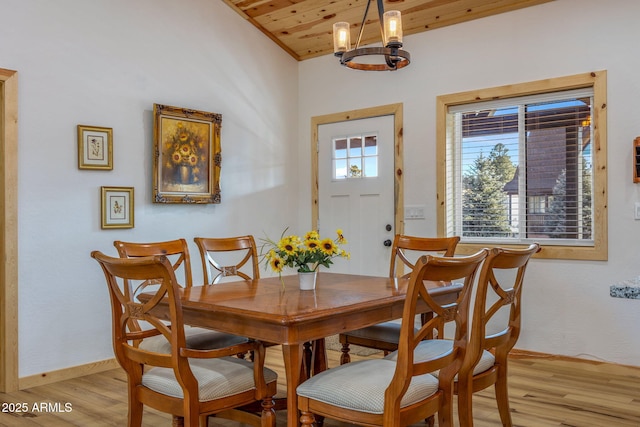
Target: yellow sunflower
{"points": [[276, 264], [312, 235], [176, 157], [341, 239], [288, 245], [312, 244], [328, 247]]}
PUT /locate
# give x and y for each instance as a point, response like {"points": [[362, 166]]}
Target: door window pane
{"points": [[353, 160]]}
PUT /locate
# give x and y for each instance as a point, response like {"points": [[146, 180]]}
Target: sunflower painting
{"points": [[185, 153], [187, 156]]}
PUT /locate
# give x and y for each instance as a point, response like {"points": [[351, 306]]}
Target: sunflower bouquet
{"points": [[305, 254]]}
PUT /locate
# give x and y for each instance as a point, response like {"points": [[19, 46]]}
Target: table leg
{"points": [[292, 355]]}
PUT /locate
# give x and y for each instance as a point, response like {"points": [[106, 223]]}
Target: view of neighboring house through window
{"points": [[517, 168], [525, 168]]}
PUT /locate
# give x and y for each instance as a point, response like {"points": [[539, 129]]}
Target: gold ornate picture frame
{"points": [[95, 147], [187, 155], [117, 207]]}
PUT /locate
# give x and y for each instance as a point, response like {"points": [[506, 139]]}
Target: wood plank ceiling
{"points": [[303, 28]]}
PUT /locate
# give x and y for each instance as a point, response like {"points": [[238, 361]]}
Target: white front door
{"points": [[356, 190]]}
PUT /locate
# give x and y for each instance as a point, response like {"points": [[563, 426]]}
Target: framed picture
{"points": [[186, 164], [117, 207], [95, 147]]}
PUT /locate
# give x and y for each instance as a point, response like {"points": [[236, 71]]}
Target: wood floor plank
{"points": [[544, 392]]}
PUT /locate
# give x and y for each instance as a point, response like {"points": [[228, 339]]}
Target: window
{"points": [[520, 163], [355, 157]]}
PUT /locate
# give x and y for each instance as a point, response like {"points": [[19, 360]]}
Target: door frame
{"points": [[9, 230], [394, 110]]}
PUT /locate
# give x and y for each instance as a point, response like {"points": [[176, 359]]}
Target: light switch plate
{"points": [[414, 212], [637, 210]]}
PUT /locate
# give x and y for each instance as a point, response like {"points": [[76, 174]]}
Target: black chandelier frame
{"points": [[394, 57]]}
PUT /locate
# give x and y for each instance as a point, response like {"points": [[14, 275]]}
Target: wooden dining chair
{"points": [[228, 257], [494, 330], [385, 336], [188, 383], [401, 391], [177, 251]]}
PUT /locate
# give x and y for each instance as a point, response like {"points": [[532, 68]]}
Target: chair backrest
{"points": [[404, 246], [126, 310], [434, 269], [177, 251], [499, 287], [228, 257]]}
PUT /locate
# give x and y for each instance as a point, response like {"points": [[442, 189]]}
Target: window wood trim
{"points": [[596, 80]]}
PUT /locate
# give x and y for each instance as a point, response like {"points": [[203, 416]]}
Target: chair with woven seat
{"points": [[177, 251], [384, 336], [228, 257], [401, 391], [190, 384]]}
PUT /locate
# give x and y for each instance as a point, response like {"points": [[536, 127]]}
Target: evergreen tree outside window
{"points": [[521, 167]]}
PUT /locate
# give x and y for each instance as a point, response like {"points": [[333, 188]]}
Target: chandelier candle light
{"points": [[391, 32]]}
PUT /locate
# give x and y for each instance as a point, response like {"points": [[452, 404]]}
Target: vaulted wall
{"points": [[567, 307]]}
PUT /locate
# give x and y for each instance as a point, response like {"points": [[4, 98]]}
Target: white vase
{"points": [[307, 280]]}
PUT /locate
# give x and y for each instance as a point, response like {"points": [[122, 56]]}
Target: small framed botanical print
{"points": [[95, 147], [117, 207]]}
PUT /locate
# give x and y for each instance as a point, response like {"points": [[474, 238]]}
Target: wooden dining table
{"points": [[274, 310]]}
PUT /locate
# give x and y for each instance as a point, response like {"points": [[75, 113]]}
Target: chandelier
{"points": [[390, 57]]}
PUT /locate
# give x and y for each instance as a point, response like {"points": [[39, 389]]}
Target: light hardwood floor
{"points": [[544, 392]]}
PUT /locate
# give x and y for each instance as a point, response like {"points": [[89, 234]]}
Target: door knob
{"points": [[388, 227], [387, 242]]}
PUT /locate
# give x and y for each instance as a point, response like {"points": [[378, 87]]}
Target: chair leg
{"points": [[177, 421], [307, 357], [135, 411], [502, 396], [306, 418], [344, 357], [268, 415], [465, 407], [445, 412], [430, 421]]}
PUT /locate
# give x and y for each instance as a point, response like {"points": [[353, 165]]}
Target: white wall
{"points": [[105, 63], [567, 307]]}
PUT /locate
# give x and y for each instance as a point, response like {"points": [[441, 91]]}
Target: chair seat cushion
{"points": [[360, 386], [196, 338], [430, 349], [217, 378], [386, 332]]}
